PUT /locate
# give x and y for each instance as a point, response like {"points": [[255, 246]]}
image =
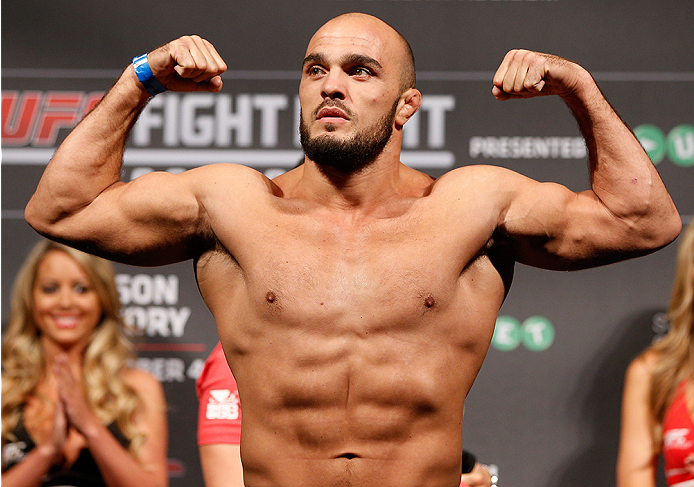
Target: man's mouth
{"points": [[331, 113]]}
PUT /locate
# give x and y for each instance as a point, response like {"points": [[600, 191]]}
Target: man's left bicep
{"points": [[553, 227]]}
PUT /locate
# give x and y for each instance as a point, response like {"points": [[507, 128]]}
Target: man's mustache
{"points": [[333, 104]]}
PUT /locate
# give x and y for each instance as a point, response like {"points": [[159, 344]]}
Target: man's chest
{"points": [[340, 264]]}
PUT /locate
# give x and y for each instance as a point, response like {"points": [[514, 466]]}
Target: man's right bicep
{"points": [[152, 220]]}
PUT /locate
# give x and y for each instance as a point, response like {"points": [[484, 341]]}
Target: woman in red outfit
{"points": [[658, 402]]}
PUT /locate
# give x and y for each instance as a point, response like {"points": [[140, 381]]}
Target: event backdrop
{"points": [[545, 408]]}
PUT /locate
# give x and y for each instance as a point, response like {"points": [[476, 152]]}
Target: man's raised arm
{"points": [[80, 199], [628, 212]]}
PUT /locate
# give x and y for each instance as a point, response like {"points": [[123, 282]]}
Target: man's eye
{"points": [[315, 70], [361, 71]]}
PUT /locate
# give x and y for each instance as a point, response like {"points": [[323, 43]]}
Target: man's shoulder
{"points": [[227, 170], [230, 178], [478, 171], [477, 177]]}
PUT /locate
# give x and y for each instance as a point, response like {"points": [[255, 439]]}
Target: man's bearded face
{"points": [[352, 154]]}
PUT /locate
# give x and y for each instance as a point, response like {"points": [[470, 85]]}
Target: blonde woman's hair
{"points": [[674, 351], [106, 356]]}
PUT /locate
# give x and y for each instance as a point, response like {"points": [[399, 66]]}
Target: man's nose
{"points": [[334, 86]]}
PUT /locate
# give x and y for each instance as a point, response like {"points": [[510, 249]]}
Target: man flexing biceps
{"points": [[355, 297]]}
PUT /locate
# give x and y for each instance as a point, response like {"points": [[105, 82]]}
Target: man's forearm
{"points": [[89, 160]]}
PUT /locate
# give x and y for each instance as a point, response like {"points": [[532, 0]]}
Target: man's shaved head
{"points": [[357, 79], [407, 65]]}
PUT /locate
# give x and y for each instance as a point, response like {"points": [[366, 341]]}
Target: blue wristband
{"points": [[146, 77]]}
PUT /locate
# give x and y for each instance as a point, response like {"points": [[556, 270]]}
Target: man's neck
{"points": [[370, 187]]}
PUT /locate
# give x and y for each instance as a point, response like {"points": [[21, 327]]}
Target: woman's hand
{"points": [[72, 401], [53, 449]]}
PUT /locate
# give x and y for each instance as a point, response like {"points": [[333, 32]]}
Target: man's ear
{"points": [[410, 101]]}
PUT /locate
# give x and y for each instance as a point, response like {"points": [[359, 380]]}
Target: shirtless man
{"points": [[355, 297]]}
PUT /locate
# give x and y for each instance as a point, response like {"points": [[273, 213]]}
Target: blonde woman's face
{"points": [[66, 305]]}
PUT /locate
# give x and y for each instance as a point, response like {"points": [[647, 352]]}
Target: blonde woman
{"points": [[658, 402], [74, 413]]}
